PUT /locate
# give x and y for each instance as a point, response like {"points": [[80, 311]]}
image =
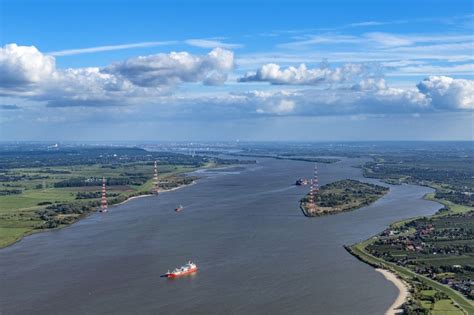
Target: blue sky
{"points": [[248, 70]]}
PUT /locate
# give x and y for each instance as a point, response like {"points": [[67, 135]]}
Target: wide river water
{"points": [[255, 250]]}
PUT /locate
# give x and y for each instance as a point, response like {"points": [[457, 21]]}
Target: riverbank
{"points": [[457, 303], [402, 287], [132, 198], [160, 191], [423, 286], [59, 207]]}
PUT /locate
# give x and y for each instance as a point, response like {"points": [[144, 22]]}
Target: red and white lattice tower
{"points": [[314, 187], [155, 180], [103, 202]]}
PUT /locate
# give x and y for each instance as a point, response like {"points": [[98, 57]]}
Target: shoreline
{"points": [[150, 195], [402, 286], [403, 292], [131, 198], [84, 216], [35, 231]]}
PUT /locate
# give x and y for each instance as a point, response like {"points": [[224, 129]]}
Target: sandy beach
{"points": [[131, 198], [402, 288], [161, 191]]}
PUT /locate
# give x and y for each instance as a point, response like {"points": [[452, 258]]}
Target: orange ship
{"points": [[187, 269]]}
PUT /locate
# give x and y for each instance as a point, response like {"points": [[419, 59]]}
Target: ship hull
{"points": [[174, 275]]}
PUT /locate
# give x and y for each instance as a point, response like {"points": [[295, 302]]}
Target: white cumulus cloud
{"points": [[174, 68], [24, 65], [350, 89], [302, 75], [370, 84], [448, 93], [26, 72]]}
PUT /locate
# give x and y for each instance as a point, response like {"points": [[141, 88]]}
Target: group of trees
{"points": [[93, 181], [461, 198], [51, 215], [8, 177], [176, 181], [109, 156], [93, 194], [414, 305], [51, 218], [450, 172], [348, 191], [6, 192]]}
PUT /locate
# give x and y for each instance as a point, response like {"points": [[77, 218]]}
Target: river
{"points": [[255, 250]]}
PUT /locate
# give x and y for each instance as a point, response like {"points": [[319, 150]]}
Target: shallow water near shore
{"points": [[255, 250]]}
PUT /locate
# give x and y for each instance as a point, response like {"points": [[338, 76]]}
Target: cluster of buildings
{"points": [[417, 246]]}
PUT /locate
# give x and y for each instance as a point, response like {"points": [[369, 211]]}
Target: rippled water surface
{"points": [[255, 250]]}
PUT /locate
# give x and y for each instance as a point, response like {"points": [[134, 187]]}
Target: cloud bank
{"points": [[156, 80], [302, 75], [368, 93], [28, 73]]}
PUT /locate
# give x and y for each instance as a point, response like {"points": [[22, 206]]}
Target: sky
{"points": [[236, 70]]}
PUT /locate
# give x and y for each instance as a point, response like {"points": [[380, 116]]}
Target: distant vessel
{"points": [[187, 269], [302, 182], [179, 208]]}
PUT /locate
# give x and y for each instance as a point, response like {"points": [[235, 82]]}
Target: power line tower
{"points": [[314, 189], [156, 185], [103, 201]]}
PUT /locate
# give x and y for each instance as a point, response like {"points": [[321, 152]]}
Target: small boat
{"points": [[179, 208], [301, 182], [187, 269]]}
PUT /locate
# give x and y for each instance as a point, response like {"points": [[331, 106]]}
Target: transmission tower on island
{"points": [[314, 190], [103, 201], [156, 185]]}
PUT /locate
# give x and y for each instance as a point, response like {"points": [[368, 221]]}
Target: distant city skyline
{"points": [[239, 70]]}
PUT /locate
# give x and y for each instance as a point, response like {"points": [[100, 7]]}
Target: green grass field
{"points": [[19, 213], [453, 208]]}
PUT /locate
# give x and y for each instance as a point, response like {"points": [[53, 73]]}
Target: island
{"points": [[313, 159], [343, 195]]}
